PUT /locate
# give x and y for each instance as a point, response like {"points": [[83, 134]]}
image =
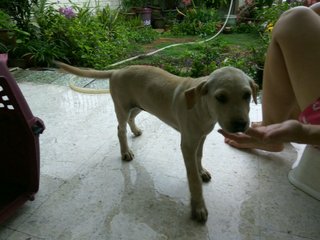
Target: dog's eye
{"points": [[221, 98], [247, 96]]}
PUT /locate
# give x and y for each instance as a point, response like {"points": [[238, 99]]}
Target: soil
{"points": [[160, 41]]}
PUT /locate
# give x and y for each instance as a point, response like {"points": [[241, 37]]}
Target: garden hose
{"points": [[103, 91], [89, 90]]}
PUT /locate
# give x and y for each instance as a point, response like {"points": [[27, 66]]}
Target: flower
{"points": [[269, 27], [68, 12]]}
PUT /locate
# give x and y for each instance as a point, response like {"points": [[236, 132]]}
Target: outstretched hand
{"points": [[270, 138]]}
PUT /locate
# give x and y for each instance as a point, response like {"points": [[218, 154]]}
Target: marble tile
{"points": [[87, 192], [5, 232], [270, 235], [274, 167], [284, 208]]}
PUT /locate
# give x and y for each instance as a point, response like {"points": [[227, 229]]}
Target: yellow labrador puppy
{"points": [[192, 106]]}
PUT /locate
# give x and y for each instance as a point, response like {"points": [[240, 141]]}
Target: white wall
{"points": [[92, 3]]}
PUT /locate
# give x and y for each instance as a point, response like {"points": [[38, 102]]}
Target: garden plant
{"points": [[98, 37]]}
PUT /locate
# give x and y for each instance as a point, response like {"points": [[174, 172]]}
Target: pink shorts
{"points": [[311, 115]]}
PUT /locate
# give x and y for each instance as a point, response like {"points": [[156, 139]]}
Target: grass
{"points": [[241, 42], [241, 50]]}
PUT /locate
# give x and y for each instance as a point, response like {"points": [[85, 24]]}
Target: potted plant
{"points": [[6, 29], [157, 18], [141, 8]]}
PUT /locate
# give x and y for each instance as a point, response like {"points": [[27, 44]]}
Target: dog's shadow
{"points": [[143, 211]]}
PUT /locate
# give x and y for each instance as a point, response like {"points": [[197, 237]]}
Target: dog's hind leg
{"points": [[132, 124], [123, 117], [205, 175]]}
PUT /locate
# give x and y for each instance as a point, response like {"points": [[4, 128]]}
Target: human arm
{"points": [[288, 131]]}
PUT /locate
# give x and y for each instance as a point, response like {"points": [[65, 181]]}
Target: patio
{"points": [[87, 192]]}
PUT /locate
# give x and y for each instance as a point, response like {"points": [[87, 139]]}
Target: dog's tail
{"points": [[89, 73]]}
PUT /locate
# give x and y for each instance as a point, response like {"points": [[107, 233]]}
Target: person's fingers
{"points": [[229, 135], [238, 137], [255, 133]]}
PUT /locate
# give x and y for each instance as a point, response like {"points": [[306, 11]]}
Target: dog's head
{"points": [[227, 94]]}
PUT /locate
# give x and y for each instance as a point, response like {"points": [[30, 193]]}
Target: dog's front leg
{"points": [[205, 175], [189, 150]]}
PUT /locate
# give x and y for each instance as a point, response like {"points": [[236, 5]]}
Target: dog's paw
{"points": [[205, 175], [199, 212], [127, 156], [137, 132]]}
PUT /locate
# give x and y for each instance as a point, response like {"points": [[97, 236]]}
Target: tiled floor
{"points": [[87, 192]]}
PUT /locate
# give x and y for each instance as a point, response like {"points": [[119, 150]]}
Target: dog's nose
{"points": [[239, 125]]}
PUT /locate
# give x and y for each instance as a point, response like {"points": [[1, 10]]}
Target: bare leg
{"points": [[291, 75], [291, 80]]}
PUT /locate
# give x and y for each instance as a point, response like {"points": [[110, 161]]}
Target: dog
{"points": [[192, 106]]}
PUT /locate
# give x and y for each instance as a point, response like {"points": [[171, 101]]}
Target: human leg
{"points": [[291, 74]]}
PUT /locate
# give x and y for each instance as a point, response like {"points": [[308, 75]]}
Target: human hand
{"points": [[269, 137], [287, 131]]}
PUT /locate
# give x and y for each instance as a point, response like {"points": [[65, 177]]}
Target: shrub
{"points": [[81, 36], [20, 11], [197, 22], [201, 59], [269, 15], [5, 21]]}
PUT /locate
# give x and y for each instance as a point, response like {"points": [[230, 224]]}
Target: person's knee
{"points": [[295, 13], [293, 21]]}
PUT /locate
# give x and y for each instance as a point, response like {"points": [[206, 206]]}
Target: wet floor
{"points": [[87, 192]]}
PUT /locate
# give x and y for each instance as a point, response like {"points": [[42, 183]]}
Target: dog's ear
{"points": [[193, 95], [254, 89]]}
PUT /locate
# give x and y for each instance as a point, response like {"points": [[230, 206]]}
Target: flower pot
{"points": [[232, 20], [145, 15]]}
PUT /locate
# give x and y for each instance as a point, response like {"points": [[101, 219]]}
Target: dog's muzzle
{"points": [[238, 126]]}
